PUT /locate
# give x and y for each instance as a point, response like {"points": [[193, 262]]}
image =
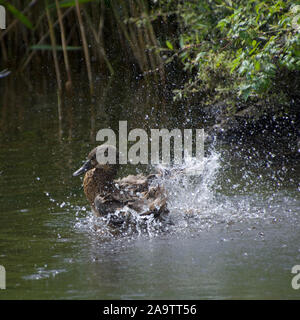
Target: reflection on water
{"points": [[232, 233]]}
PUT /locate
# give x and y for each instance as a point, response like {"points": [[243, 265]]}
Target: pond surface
{"points": [[240, 241]]}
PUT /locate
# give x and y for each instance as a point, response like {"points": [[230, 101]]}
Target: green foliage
{"points": [[227, 49], [70, 3], [18, 14], [57, 48], [236, 46]]}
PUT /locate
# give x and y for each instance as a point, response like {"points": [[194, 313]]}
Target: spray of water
{"points": [[200, 196], [192, 203]]}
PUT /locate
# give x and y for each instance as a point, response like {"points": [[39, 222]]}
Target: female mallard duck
{"points": [[107, 195]]}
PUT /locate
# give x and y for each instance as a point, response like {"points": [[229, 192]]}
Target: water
{"points": [[232, 233]]}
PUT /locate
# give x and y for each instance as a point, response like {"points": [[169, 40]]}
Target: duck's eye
{"points": [[94, 162], [93, 158]]}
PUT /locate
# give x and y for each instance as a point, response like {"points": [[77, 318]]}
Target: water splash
{"points": [[191, 202], [200, 196]]}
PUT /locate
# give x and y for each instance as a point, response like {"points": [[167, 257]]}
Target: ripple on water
{"points": [[43, 273]]}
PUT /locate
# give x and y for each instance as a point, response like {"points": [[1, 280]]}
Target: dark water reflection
{"points": [[47, 243]]}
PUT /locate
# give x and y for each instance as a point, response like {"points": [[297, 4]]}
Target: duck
{"points": [[108, 195]]}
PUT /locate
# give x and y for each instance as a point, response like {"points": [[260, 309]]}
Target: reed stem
{"points": [[85, 48], [64, 46], [54, 52]]}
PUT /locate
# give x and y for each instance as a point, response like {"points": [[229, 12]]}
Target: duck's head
{"points": [[103, 158]]}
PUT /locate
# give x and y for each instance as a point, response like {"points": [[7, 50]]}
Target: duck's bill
{"points": [[86, 166]]}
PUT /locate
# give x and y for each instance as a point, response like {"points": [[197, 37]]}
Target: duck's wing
{"points": [[152, 201], [138, 183], [136, 193], [107, 204], [117, 198]]}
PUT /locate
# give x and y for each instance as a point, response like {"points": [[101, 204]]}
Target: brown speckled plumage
{"points": [[107, 195], [97, 182]]}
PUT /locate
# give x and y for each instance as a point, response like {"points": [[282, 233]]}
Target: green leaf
{"points": [[235, 64], [257, 66], [246, 94], [181, 42], [18, 14], [169, 45], [49, 47], [222, 24], [245, 90], [255, 45], [200, 55], [69, 3], [244, 67]]}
